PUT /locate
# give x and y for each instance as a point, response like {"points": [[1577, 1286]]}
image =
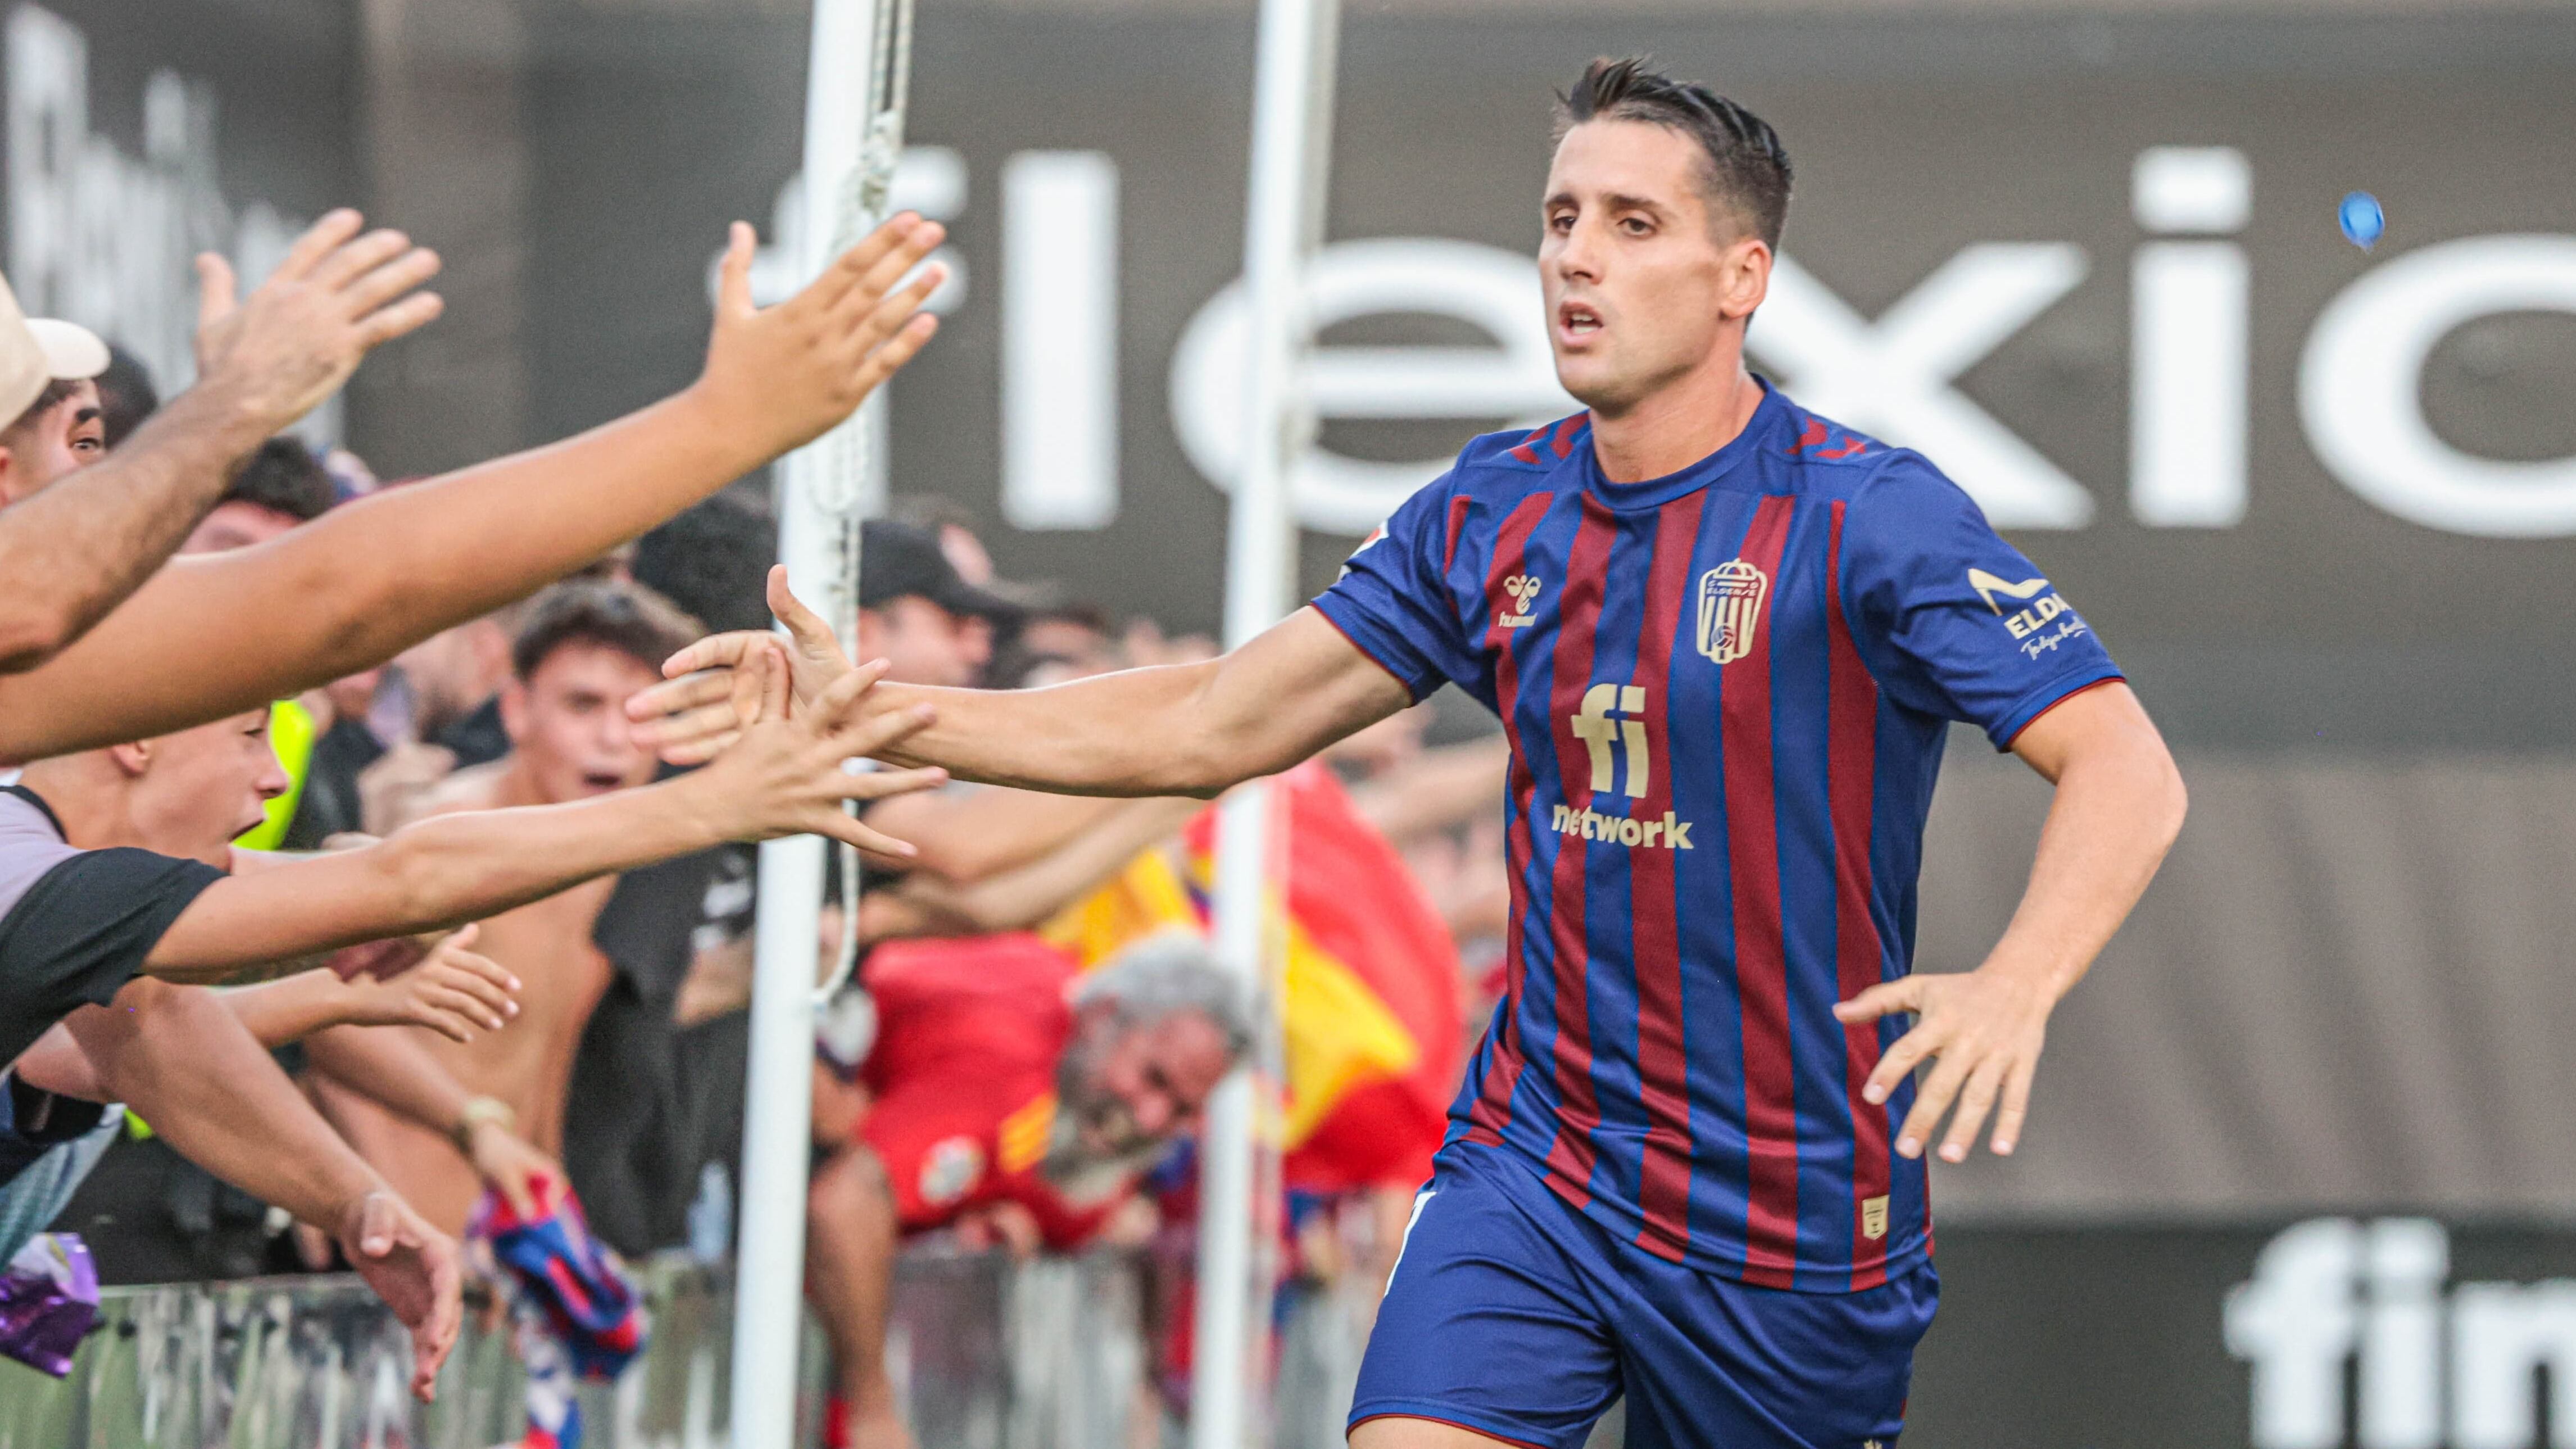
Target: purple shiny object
{"points": [[48, 1302]]}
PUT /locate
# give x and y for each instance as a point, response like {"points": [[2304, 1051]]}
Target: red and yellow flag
{"points": [[1370, 1011]]}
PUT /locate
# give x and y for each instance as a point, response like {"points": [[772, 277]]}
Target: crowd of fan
{"points": [[334, 858]]}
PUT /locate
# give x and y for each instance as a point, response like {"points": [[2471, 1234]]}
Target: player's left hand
{"points": [[1983, 1029]]}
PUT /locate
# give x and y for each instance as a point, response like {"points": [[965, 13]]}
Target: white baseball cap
{"points": [[36, 351]]}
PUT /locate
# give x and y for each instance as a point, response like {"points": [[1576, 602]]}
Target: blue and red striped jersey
{"points": [[1727, 692]]}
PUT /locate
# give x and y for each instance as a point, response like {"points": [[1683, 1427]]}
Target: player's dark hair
{"points": [[284, 477], [1748, 169], [613, 614]]}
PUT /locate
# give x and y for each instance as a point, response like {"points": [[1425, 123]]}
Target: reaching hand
{"points": [[511, 1167], [786, 774], [790, 373], [452, 991], [706, 696], [1985, 1027], [412, 1267], [336, 297]]}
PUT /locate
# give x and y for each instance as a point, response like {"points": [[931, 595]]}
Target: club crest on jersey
{"points": [[1524, 591], [1730, 609], [950, 1170]]}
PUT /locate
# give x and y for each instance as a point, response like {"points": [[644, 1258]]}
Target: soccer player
{"points": [[1727, 638]]}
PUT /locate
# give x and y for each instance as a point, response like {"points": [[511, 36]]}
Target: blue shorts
{"points": [[1514, 1315]]}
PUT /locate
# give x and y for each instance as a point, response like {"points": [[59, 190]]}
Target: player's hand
{"points": [[787, 374], [452, 991], [1983, 1030], [510, 1166], [699, 709], [335, 297], [786, 775], [412, 1266]]}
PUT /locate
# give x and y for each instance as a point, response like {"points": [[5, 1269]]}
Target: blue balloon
{"points": [[2362, 219]]}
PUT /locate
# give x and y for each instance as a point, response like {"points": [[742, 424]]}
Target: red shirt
{"points": [[963, 1076]]}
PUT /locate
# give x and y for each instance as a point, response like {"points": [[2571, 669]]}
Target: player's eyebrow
{"points": [[1619, 201], [1615, 201], [86, 415]]}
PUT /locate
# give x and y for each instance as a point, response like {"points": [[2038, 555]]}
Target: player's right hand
{"points": [[294, 341], [787, 374], [706, 695], [786, 775], [412, 1266]]}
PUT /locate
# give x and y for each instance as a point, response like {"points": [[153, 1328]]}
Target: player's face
{"points": [[201, 787], [1146, 1083], [567, 721], [1644, 285], [57, 443]]}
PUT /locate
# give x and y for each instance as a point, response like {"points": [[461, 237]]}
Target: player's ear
{"points": [[133, 757], [1747, 277]]}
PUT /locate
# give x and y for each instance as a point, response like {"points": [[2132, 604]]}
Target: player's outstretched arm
{"points": [[1180, 729], [785, 778], [76, 550], [2119, 804], [215, 635]]}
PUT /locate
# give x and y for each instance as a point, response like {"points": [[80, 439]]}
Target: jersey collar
{"points": [[1656, 492]]}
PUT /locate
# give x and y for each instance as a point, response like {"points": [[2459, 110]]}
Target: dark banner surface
{"points": [[2307, 1335], [2090, 265]]}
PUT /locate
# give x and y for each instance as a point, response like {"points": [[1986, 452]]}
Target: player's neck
{"points": [[1678, 424]]}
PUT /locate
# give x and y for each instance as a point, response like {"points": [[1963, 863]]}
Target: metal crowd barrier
{"points": [[987, 1354]]}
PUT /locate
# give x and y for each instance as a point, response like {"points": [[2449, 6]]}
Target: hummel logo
{"points": [[1524, 591]]}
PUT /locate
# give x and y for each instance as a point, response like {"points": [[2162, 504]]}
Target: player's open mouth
{"points": [[1575, 321], [602, 780]]}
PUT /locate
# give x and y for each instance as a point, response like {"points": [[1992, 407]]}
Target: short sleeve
{"points": [[936, 1145], [1954, 621], [83, 930], [1392, 599]]}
